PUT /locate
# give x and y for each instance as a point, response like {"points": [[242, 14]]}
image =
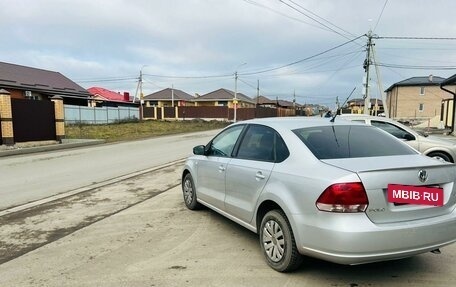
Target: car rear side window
{"points": [[332, 142], [262, 143]]}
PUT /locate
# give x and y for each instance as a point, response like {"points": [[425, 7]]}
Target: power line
{"points": [[189, 77], [114, 79], [381, 13], [284, 15], [325, 20], [312, 18], [413, 67], [413, 38], [302, 60]]}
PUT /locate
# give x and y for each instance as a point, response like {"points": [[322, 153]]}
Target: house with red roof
{"points": [[104, 97]]}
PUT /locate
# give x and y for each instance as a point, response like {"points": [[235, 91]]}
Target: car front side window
{"points": [[223, 144]]}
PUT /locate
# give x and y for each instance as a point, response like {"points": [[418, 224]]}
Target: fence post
{"points": [[6, 118], [59, 118]]}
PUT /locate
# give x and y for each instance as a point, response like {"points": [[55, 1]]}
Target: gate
{"points": [[33, 120]]}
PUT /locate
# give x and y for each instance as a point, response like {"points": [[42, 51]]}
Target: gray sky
{"points": [[187, 43]]}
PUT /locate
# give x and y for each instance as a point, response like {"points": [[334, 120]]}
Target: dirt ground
{"points": [[138, 232]]}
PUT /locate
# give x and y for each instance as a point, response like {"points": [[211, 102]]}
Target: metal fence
{"points": [[99, 115]]}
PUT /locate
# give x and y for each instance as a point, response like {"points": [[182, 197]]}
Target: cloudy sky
{"points": [[314, 49]]}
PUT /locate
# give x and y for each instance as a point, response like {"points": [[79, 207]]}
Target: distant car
{"points": [[341, 191], [428, 145]]}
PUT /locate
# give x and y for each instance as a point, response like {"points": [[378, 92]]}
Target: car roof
{"points": [[292, 123], [382, 119]]}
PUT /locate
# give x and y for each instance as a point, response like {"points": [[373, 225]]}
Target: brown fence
{"points": [[203, 112], [33, 120], [214, 112], [148, 112]]}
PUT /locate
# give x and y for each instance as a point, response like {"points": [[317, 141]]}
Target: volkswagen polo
{"points": [[337, 190]]}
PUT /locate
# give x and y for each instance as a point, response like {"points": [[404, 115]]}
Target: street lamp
{"points": [[235, 101]]}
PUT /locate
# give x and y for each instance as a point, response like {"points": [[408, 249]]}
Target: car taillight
{"points": [[344, 197]]}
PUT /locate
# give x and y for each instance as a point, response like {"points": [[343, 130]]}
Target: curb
{"points": [[54, 147]]}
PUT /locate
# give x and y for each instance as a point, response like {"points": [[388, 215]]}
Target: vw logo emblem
{"points": [[422, 175]]}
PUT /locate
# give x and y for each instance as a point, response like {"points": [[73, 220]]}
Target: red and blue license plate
{"points": [[410, 194]]}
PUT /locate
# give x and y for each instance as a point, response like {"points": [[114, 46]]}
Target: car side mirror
{"points": [[199, 150]]}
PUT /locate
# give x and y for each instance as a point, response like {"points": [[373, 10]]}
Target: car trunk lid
{"points": [[376, 173]]}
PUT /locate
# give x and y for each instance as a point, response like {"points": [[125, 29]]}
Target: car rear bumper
{"points": [[354, 239]]}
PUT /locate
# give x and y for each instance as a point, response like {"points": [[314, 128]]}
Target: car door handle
{"points": [[259, 175], [222, 168]]}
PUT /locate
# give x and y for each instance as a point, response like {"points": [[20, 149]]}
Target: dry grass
{"points": [[138, 130]]}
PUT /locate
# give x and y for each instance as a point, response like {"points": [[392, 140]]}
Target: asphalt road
{"points": [[138, 232], [35, 176]]}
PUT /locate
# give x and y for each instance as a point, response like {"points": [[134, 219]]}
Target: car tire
{"points": [[440, 156], [277, 242], [189, 193]]}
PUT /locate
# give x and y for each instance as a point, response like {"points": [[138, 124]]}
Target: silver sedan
{"points": [[340, 191]]}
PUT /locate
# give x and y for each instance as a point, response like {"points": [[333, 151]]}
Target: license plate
{"points": [[410, 194]]}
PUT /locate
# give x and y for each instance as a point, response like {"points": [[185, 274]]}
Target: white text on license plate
{"points": [[410, 194]]}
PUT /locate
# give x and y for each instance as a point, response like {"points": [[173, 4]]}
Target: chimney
{"points": [[431, 77], [126, 96]]}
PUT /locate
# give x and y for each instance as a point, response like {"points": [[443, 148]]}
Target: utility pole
{"points": [[366, 67], [235, 101], [380, 85], [172, 95], [294, 99], [258, 91]]}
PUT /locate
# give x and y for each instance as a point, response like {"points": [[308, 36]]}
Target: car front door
{"points": [[211, 169], [249, 170]]}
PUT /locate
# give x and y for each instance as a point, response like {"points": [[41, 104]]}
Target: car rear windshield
{"points": [[331, 142]]}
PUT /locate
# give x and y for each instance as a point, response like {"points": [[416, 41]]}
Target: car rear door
{"points": [[248, 172]]}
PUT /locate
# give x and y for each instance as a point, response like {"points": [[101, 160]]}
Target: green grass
{"points": [[138, 130]]}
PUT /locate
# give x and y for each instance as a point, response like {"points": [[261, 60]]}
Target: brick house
{"points": [[169, 97], [416, 98], [224, 97], [31, 83]]}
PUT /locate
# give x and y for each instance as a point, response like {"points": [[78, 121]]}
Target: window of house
{"points": [[421, 107], [421, 91]]}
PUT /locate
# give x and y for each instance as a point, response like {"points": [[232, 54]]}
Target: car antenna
{"points": [[339, 108]]}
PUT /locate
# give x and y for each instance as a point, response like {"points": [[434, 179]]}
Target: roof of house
{"points": [[224, 95], [449, 81], [18, 77], [418, 81], [262, 100], [287, 104], [108, 95], [167, 95]]}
